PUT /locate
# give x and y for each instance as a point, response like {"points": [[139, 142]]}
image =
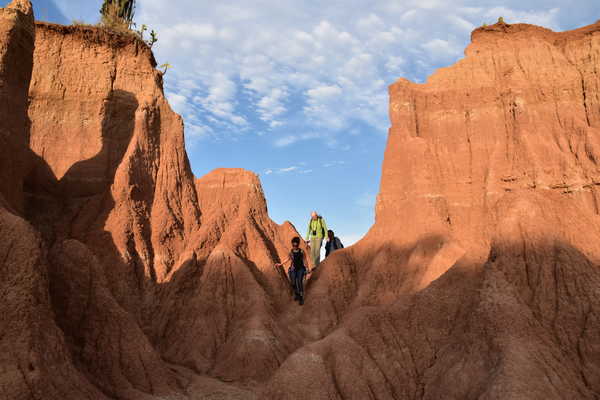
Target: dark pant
{"points": [[297, 278]]}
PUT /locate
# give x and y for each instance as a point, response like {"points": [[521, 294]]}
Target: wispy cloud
{"points": [[366, 200], [221, 98], [255, 69], [291, 139], [286, 141], [286, 170], [333, 164]]}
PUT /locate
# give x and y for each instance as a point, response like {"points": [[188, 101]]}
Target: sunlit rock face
{"points": [[480, 277], [123, 276], [106, 228]]}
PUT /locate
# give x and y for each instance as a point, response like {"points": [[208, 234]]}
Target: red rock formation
{"points": [[122, 277], [113, 193], [105, 129], [482, 267], [34, 361], [219, 314], [132, 259], [16, 46]]}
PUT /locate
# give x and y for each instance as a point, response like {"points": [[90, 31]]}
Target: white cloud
{"points": [[272, 106], [221, 98], [440, 49], [286, 141], [394, 63], [257, 68], [366, 200], [547, 18], [370, 23], [178, 102], [323, 93], [287, 170], [408, 15], [460, 23], [194, 131], [291, 139], [333, 164]]}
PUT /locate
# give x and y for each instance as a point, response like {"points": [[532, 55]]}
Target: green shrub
{"points": [[153, 38], [153, 35]]}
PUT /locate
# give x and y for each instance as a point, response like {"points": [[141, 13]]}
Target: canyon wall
{"points": [[112, 193], [220, 315], [17, 36], [125, 277], [480, 278], [182, 269], [34, 361]]}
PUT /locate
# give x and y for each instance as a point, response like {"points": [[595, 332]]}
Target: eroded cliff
{"points": [[35, 361], [481, 271], [125, 277], [110, 260]]}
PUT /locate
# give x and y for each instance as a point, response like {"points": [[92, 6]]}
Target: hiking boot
{"points": [[301, 301]]}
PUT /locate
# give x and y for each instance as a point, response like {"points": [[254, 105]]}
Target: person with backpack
{"points": [[315, 234], [333, 243], [298, 269]]}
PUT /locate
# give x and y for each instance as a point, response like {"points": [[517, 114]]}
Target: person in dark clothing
{"points": [[298, 269], [333, 243]]}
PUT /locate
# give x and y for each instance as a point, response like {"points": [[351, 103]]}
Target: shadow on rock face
{"points": [[374, 273], [523, 324], [85, 262], [95, 175], [87, 181]]}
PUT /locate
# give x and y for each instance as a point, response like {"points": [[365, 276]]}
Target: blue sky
{"points": [[296, 90]]}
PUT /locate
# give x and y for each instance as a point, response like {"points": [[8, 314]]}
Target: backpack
{"points": [[320, 219]]}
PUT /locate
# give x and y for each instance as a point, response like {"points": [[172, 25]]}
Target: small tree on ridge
{"points": [[118, 13]]}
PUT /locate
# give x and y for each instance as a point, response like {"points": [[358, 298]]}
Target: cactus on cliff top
{"points": [[121, 9]]}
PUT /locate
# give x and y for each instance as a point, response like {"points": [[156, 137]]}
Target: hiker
{"points": [[315, 234], [298, 269], [333, 243]]}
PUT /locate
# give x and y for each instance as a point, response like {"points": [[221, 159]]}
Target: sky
{"points": [[296, 90]]}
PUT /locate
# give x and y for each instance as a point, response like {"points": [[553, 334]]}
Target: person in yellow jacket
{"points": [[317, 231]]}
